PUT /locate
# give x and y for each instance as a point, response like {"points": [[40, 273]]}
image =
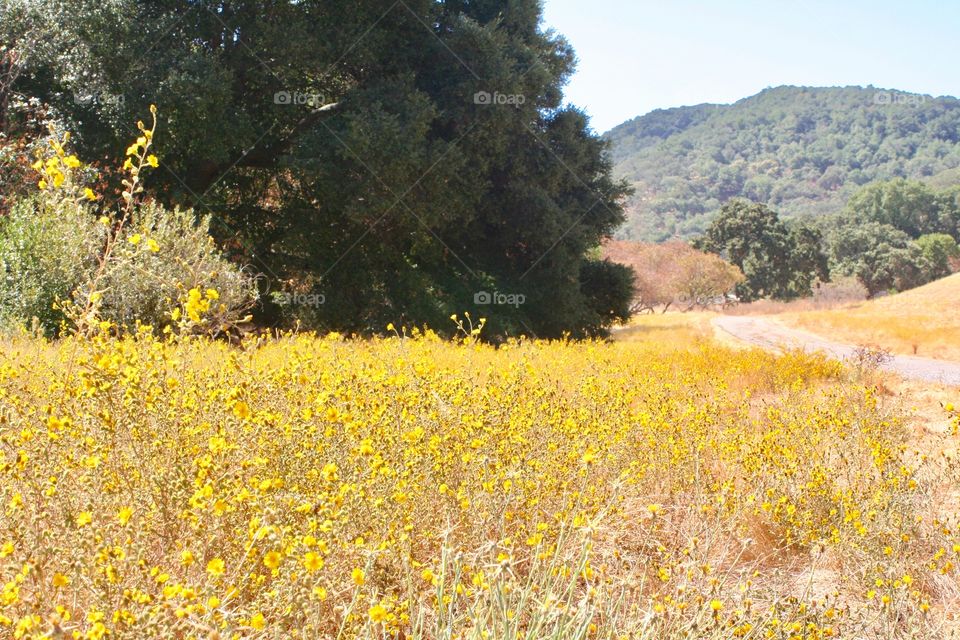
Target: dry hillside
{"points": [[924, 321]]}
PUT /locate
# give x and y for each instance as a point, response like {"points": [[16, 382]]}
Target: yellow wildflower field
{"points": [[410, 487]]}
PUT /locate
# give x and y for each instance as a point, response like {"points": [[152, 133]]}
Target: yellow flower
{"points": [[152, 161], [716, 605], [329, 472], [312, 561], [135, 239], [84, 518], [186, 557], [89, 194], [60, 580], [216, 567], [72, 162], [377, 613], [124, 515], [357, 576], [272, 559], [153, 246], [257, 621], [242, 410]]}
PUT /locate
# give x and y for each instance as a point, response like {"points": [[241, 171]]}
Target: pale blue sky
{"points": [[639, 55]]}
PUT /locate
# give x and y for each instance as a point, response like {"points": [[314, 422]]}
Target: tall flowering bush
{"points": [[69, 260]]}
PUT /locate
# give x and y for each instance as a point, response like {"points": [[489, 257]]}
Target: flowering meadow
{"points": [[412, 487]]}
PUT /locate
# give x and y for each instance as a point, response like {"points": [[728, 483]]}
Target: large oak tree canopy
{"points": [[397, 157]]}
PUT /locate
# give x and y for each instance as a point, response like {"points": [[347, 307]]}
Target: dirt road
{"points": [[770, 334]]}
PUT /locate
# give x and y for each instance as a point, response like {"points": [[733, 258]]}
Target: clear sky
{"points": [[639, 55]]}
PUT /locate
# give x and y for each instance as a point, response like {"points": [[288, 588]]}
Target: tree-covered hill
{"points": [[802, 150]]}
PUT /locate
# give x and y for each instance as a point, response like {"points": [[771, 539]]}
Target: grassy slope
{"points": [[924, 321]]}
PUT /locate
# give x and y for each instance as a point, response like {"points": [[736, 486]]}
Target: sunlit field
{"points": [[416, 488], [921, 321]]}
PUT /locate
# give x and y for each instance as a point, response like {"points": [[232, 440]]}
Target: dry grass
{"points": [[673, 328], [924, 321], [665, 487]]}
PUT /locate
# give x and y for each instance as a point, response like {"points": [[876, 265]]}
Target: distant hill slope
{"points": [[920, 321], [802, 150]]}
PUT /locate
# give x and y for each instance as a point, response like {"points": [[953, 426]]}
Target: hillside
{"points": [[801, 150], [921, 321]]}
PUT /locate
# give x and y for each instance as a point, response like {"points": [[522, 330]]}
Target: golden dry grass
{"points": [[670, 329], [923, 321], [665, 487]]}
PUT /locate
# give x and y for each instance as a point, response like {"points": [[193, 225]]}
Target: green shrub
{"points": [[48, 245], [65, 260], [49, 249], [158, 260]]}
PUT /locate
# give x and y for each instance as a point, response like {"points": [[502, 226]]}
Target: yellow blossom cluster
{"points": [[195, 306], [410, 487], [57, 168]]}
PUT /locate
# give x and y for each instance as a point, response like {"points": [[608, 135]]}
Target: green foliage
{"points": [[48, 244], [155, 263], [777, 261], [907, 205], [13, 173], [382, 185], [894, 235], [882, 257], [940, 250], [608, 288], [808, 263], [803, 151], [49, 250], [68, 262]]}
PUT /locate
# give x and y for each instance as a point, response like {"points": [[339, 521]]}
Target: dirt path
{"points": [[770, 334]]}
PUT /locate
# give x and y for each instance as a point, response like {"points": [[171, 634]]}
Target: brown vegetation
{"points": [[674, 274]]}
